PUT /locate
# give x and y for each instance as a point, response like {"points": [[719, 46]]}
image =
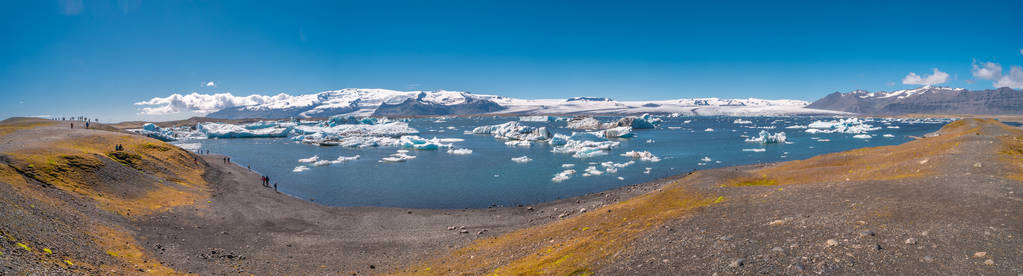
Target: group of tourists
{"points": [[118, 147]]}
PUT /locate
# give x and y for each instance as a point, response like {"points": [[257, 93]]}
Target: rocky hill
{"points": [[927, 99]]}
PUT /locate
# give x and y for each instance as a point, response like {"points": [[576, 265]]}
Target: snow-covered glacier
{"points": [[383, 102]]}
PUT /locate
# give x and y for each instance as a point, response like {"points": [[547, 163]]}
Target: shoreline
{"points": [[238, 226]]}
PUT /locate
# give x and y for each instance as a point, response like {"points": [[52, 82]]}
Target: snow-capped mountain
{"points": [[383, 102], [926, 99]]}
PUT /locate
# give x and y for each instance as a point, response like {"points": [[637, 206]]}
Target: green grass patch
{"points": [[758, 182]]}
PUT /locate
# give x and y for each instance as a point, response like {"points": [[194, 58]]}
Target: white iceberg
{"points": [[768, 138], [300, 169], [310, 159], [563, 175], [861, 136], [514, 131], [522, 159], [460, 151], [400, 156], [755, 150], [740, 121], [708, 130], [642, 156]]}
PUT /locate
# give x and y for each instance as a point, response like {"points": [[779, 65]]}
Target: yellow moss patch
{"points": [[71, 165], [122, 246], [11, 125], [559, 248], [756, 182]]}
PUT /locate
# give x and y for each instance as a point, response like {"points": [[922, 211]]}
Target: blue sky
{"points": [[96, 58]]}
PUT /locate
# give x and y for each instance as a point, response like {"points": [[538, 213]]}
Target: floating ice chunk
{"points": [[610, 164], [518, 143], [647, 170], [674, 128], [687, 121], [400, 156], [254, 130], [420, 143], [862, 136], [310, 159], [755, 150], [558, 140], [796, 127], [888, 135], [300, 169], [705, 159], [585, 149], [708, 130], [522, 159], [740, 121], [450, 140], [563, 175], [584, 123], [611, 170], [823, 140], [567, 165], [650, 141], [460, 151], [894, 127], [621, 178], [536, 119], [188, 146], [847, 125], [592, 170], [514, 131], [322, 163], [342, 159], [617, 132], [642, 156], [768, 138]]}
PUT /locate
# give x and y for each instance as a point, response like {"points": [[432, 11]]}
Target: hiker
{"points": [[267, 181], [86, 124], [72, 125], [275, 187]]}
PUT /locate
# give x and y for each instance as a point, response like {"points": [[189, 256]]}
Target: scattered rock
{"points": [[867, 233], [798, 267], [877, 247], [463, 231], [911, 241], [831, 242], [776, 222], [778, 249], [451, 228], [737, 262], [980, 254], [583, 210], [530, 208], [989, 262], [977, 165], [928, 259]]}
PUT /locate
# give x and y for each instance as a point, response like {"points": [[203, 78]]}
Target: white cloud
{"points": [[202, 103], [988, 71], [1013, 80], [210, 84], [938, 77], [993, 71]]}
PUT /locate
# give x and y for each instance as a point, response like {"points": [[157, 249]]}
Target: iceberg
{"points": [[642, 156], [514, 131], [705, 159], [583, 123], [848, 125], [400, 156], [559, 140], [340, 159], [310, 159], [253, 130], [522, 159], [767, 138], [300, 169], [592, 170], [861, 136], [888, 135], [755, 150], [518, 143], [563, 175], [460, 151], [617, 132], [708, 130], [537, 119], [567, 165], [420, 143], [740, 121], [585, 149]]}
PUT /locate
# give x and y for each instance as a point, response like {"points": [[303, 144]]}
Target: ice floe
{"points": [[300, 169], [514, 131], [767, 138], [400, 156], [310, 159], [585, 149], [522, 159], [642, 156], [755, 150], [563, 175], [861, 136], [851, 125], [740, 121], [460, 151]]}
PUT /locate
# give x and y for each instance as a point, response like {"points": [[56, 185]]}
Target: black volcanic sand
{"points": [[936, 224]]}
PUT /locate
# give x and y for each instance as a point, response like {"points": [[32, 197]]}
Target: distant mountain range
{"points": [[927, 99], [383, 102]]}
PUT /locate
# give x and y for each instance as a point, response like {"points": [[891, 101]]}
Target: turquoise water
{"points": [[437, 179]]}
